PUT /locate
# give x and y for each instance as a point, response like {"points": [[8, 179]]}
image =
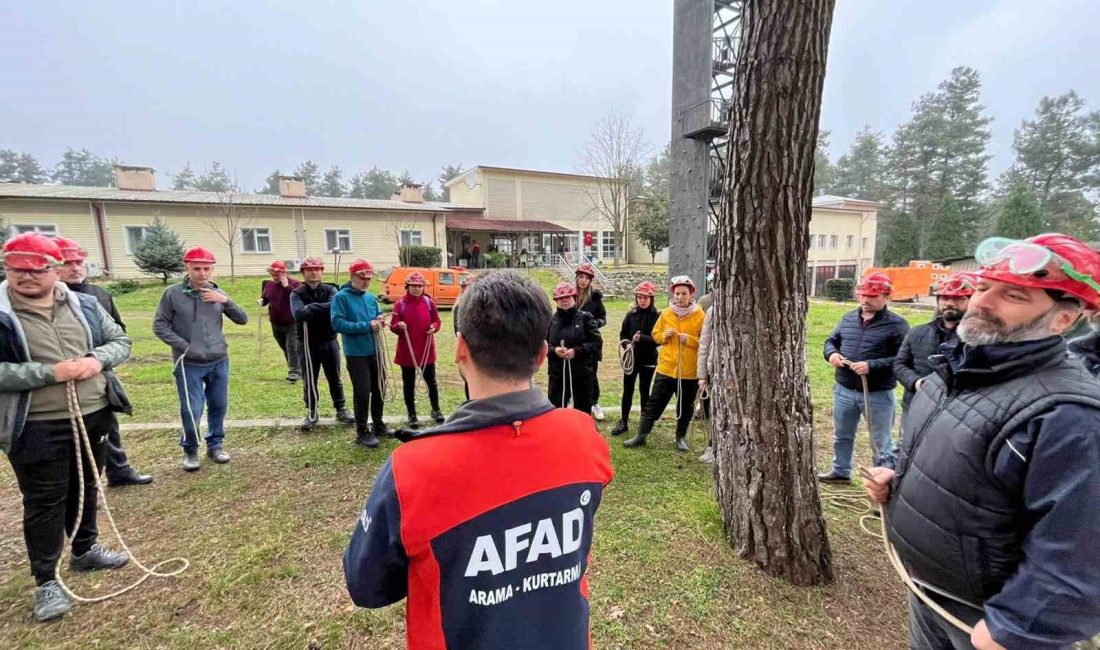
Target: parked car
{"points": [[444, 285]]}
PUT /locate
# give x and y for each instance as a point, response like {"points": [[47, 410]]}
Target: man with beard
{"points": [[73, 273], [994, 503], [911, 365]]}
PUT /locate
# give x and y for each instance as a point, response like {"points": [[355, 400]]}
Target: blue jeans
{"points": [[207, 385], [847, 409]]}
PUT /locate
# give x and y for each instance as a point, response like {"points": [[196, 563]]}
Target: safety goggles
{"points": [[874, 288], [1027, 258], [31, 263], [953, 286]]}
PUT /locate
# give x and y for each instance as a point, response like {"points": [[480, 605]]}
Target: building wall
{"points": [[462, 195], [72, 219], [373, 234], [839, 260]]}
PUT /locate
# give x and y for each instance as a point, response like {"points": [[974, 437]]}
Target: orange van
{"points": [[444, 285], [914, 281]]}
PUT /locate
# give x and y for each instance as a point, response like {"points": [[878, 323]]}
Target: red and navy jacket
{"points": [[485, 524]]}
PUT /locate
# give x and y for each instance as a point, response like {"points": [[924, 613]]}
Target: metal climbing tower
{"points": [[705, 44]]}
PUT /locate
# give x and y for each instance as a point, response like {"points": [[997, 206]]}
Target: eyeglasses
{"points": [[1028, 258], [37, 273]]}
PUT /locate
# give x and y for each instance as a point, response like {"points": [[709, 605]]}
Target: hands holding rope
{"points": [[77, 369], [861, 368]]}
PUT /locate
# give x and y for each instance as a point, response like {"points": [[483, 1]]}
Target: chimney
{"points": [[412, 193], [142, 179], [293, 187]]}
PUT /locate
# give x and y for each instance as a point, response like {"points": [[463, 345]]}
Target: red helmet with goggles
{"points": [[31, 251], [1052, 261], [875, 284], [70, 250], [956, 285]]}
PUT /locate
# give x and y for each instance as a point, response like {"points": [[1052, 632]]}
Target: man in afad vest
{"points": [[49, 337], [862, 349], [189, 320], [994, 504], [485, 522], [73, 273]]}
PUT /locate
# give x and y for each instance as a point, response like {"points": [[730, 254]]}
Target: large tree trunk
{"points": [[767, 491]]}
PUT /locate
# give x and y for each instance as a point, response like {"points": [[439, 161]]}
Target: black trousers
{"points": [[643, 377], [366, 392], [287, 338], [326, 356], [594, 389], [664, 388], [44, 462], [408, 386], [116, 460], [561, 391]]}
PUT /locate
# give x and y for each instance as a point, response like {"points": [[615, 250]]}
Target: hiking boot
{"points": [[597, 412], [437, 415], [218, 455], [50, 602], [98, 557], [380, 430], [834, 477], [307, 424], [292, 377], [681, 444], [620, 428], [708, 456], [343, 416], [190, 460], [129, 477], [368, 440], [413, 422], [637, 441]]}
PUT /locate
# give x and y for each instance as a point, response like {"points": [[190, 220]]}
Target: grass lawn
{"points": [[266, 533]]}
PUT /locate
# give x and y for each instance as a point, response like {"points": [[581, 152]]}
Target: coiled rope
{"points": [[626, 356], [381, 357], [83, 445], [421, 386]]}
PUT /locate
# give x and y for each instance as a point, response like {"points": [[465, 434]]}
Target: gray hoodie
{"points": [[186, 323]]}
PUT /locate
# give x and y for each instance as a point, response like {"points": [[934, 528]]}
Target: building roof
{"points": [[538, 172], [74, 192], [503, 225], [842, 202]]}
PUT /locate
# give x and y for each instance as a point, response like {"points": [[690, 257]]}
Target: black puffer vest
{"points": [[954, 525]]}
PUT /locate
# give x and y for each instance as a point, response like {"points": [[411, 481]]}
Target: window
{"points": [[255, 240], [42, 229], [832, 241], [851, 240], [412, 238], [813, 238], [607, 244], [863, 245], [446, 279], [337, 238], [133, 236], [821, 241]]}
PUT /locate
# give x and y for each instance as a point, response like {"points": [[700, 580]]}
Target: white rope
{"points": [[187, 398], [80, 435], [259, 334], [312, 411], [421, 386], [567, 368], [626, 356], [381, 358]]}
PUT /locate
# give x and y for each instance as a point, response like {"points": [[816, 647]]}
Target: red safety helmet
{"points": [[565, 290], [875, 284], [277, 266], [956, 285], [70, 250], [681, 281], [361, 266], [586, 269], [31, 251], [199, 255], [1051, 261], [646, 288], [312, 263], [417, 278]]}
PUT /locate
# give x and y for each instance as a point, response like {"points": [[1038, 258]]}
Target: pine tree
{"points": [[216, 179], [18, 167], [860, 173], [429, 192], [374, 184], [9, 166], [311, 175], [271, 184], [1019, 216], [963, 161], [447, 173], [332, 184], [824, 172], [185, 179], [82, 167], [159, 252], [945, 237], [900, 241]]}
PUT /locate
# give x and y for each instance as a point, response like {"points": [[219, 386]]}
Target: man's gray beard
{"points": [[1039, 328]]}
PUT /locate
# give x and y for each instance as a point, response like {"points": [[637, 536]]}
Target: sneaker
{"points": [[50, 602], [344, 416], [833, 477], [414, 423], [437, 415], [597, 412], [381, 430], [218, 455], [292, 377], [368, 440], [307, 424], [620, 428], [98, 557], [190, 460], [708, 456]]}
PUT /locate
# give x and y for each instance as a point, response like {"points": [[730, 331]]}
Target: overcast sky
{"points": [[415, 85]]}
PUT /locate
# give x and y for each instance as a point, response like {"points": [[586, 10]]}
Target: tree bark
{"points": [[764, 468]]}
